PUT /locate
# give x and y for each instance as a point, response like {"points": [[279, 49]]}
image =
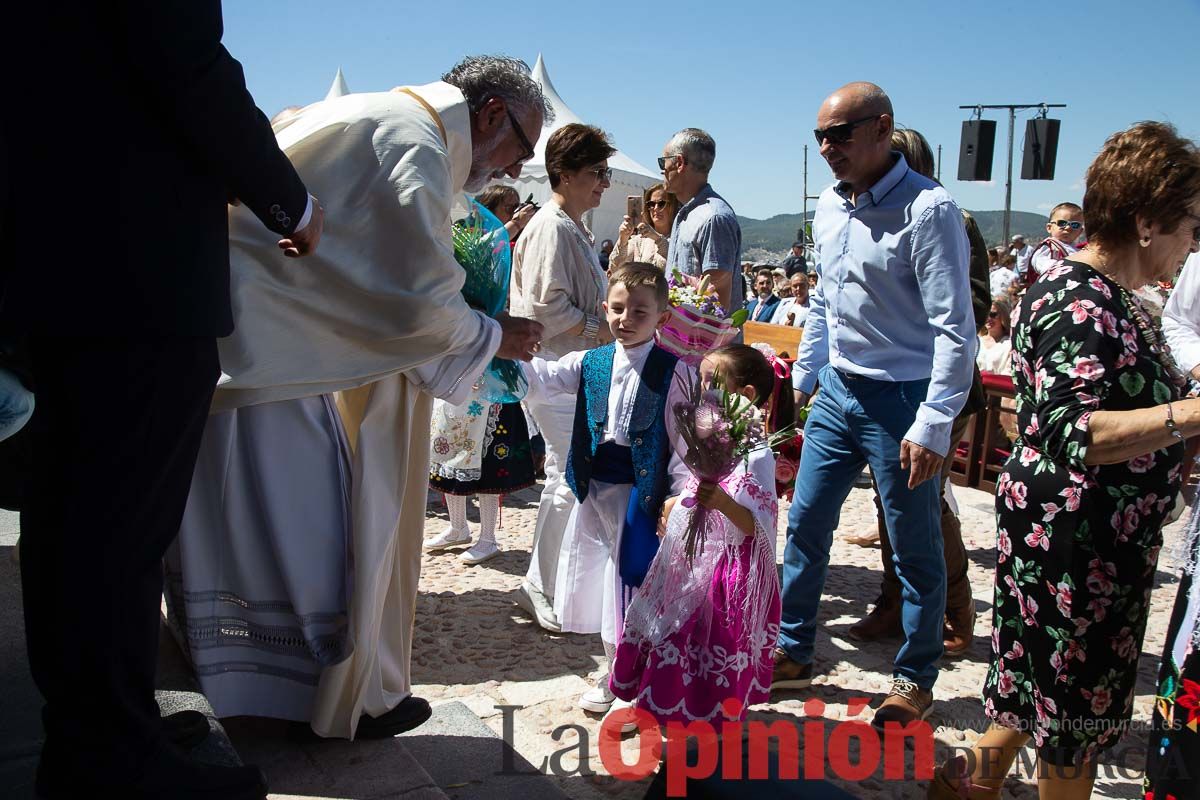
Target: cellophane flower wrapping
{"points": [[482, 248], [715, 429], [698, 323]]}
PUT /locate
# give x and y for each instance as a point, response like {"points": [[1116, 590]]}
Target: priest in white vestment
{"points": [[294, 578]]}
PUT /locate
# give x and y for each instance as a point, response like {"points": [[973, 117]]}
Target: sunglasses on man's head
{"points": [[841, 133], [1063, 224]]}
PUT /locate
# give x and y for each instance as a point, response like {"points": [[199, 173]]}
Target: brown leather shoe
{"points": [[790, 674], [906, 703], [959, 632], [882, 623]]}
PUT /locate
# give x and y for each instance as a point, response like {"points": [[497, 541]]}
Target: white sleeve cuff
{"points": [[307, 217]]}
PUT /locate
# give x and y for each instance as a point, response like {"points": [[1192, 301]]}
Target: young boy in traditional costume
{"points": [[620, 465]]}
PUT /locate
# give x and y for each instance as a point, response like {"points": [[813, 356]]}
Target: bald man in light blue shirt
{"points": [[891, 340]]}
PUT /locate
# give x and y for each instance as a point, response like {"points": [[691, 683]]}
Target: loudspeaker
{"points": [[1041, 149], [975, 150]]}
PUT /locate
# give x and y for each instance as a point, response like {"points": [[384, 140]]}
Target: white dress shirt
{"points": [[551, 380], [788, 306], [1181, 317]]}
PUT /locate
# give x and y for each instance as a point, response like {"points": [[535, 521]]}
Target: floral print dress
{"points": [[1077, 544]]}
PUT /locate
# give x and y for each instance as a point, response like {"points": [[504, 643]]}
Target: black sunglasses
{"points": [[993, 315], [662, 160], [841, 133], [1063, 224], [529, 151], [652, 204]]}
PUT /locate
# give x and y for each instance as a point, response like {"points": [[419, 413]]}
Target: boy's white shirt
{"points": [[550, 380]]}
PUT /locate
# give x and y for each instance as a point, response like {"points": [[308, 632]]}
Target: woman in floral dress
{"points": [[1093, 475]]}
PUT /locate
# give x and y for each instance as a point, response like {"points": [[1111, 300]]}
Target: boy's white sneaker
{"points": [[447, 538], [599, 698]]}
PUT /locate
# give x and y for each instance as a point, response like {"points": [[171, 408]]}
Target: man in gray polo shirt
{"points": [[706, 238]]}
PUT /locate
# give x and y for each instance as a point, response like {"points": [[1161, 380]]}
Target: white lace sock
{"points": [[456, 505], [610, 652], [489, 512]]}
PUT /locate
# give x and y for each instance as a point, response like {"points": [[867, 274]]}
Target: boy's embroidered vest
{"points": [[647, 425]]}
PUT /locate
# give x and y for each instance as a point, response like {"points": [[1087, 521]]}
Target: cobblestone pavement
{"points": [[473, 644]]}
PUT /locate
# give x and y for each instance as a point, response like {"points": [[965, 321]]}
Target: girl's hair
{"points": [[491, 197], [746, 366], [1004, 306]]}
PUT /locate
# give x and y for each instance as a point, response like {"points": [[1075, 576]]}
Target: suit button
{"points": [[642, 473], [275, 208]]}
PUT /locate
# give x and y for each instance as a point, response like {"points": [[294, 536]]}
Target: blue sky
{"points": [[754, 73]]}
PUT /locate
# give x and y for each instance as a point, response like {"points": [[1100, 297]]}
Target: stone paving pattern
{"points": [[472, 644]]}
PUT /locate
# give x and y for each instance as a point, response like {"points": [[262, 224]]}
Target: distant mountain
{"points": [[777, 233]]}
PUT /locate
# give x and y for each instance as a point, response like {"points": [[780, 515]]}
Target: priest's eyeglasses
{"points": [[516, 126]]}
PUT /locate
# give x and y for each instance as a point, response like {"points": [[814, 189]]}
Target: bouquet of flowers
{"points": [[787, 454], [481, 247], [787, 458], [715, 430], [698, 322]]}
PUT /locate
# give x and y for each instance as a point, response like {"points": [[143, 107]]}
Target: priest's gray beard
{"points": [[482, 170]]}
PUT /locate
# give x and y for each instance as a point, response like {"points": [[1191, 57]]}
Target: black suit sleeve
{"points": [[174, 47]]}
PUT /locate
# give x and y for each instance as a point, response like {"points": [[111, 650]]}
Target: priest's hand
{"points": [[304, 241], [520, 338]]}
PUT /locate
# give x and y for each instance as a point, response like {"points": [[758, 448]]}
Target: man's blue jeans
{"points": [[854, 422]]}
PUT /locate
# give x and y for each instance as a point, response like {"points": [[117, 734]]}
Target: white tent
{"points": [[629, 177], [339, 87]]}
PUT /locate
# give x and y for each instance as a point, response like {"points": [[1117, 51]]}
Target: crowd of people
{"points": [[270, 429]]}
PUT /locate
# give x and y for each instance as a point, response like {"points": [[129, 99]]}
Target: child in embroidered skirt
{"points": [[700, 634], [477, 448], [620, 465]]}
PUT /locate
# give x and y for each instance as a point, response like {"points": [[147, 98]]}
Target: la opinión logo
{"points": [[743, 751]]}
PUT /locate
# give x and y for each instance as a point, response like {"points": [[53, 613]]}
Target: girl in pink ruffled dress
{"points": [[700, 634]]}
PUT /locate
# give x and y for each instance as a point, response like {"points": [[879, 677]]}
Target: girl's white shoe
{"points": [[481, 552], [447, 538]]}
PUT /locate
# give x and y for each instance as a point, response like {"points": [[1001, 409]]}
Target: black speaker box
{"points": [[975, 150], [1041, 149]]}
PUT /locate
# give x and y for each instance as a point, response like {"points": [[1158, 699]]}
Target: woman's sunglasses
{"points": [[840, 134], [656, 204]]}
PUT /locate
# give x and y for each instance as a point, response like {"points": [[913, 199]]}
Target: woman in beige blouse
{"points": [[558, 281], [646, 240]]}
